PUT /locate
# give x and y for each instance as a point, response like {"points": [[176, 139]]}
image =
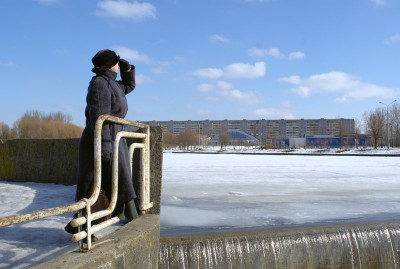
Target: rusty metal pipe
{"points": [[39, 214], [95, 228], [97, 148]]}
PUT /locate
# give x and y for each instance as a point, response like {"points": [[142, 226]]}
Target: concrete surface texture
{"points": [[135, 245], [39, 160]]}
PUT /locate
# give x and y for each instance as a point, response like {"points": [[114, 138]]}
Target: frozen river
{"points": [[226, 191], [218, 190]]}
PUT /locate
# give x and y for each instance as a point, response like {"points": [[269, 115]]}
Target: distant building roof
{"points": [[236, 135]]}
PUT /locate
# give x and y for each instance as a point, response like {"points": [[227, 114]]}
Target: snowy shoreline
{"points": [[393, 152]]}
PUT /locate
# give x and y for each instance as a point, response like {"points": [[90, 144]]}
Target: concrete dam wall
{"points": [[344, 246], [136, 244]]}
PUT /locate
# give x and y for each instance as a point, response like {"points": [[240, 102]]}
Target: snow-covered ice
{"points": [[219, 190], [215, 190], [26, 244]]}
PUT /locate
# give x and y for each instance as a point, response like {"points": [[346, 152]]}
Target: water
{"points": [[345, 246]]}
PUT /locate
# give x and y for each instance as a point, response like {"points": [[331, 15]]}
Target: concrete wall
{"points": [[156, 156], [135, 245], [39, 160]]}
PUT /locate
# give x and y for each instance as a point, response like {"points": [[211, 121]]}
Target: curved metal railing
{"points": [[144, 203]]}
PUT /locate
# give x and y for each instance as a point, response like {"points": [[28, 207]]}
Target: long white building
{"points": [[266, 130]]}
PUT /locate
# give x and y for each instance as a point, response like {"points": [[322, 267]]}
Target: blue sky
{"points": [[196, 60]]}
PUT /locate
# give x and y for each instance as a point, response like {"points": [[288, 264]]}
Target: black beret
{"points": [[104, 60]]}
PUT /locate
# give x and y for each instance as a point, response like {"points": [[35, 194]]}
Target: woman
{"points": [[106, 95]]}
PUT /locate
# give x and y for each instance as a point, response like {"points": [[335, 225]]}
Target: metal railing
{"points": [[86, 203]]}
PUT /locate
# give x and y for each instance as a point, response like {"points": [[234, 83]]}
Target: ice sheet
{"points": [[258, 190]]}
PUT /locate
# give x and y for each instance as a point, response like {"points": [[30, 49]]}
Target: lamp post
{"points": [[387, 120], [199, 136]]}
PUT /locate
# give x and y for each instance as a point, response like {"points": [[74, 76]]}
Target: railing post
{"points": [[146, 182]]}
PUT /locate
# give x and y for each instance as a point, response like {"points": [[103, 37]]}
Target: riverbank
{"points": [[392, 152]]}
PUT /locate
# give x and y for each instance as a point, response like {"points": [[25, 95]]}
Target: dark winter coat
{"points": [[106, 96]]}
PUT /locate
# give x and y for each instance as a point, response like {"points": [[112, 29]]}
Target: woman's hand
{"points": [[124, 65]]}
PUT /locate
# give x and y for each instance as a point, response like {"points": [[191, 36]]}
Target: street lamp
{"points": [[387, 121], [199, 136]]}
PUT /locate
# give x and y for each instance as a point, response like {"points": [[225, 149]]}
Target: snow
{"points": [[253, 150], [26, 244], [30, 243], [221, 190]]}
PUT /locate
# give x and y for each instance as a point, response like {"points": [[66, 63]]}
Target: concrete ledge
{"points": [[366, 245], [135, 245]]}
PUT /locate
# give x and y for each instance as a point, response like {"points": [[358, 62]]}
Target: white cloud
{"points": [[291, 80], [223, 85], [379, 2], [132, 55], [242, 70], [302, 90], [121, 9], [48, 2], [212, 73], [227, 90], [219, 39], [394, 39], [205, 87], [348, 87], [296, 55], [275, 52], [274, 113], [135, 56], [235, 70]]}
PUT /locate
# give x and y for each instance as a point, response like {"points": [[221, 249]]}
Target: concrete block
{"points": [[135, 245]]}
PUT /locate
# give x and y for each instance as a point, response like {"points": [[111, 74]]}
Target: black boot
{"points": [[69, 229]]}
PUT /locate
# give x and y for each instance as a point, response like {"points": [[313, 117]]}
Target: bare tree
{"points": [[57, 116], [58, 129], [187, 138], [357, 132], [169, 139], [223, 138], [375, 121], [6, 132], [27, 127], [35, 124]]}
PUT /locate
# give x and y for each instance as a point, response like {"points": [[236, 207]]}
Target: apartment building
{"points": [[265, 130]]}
